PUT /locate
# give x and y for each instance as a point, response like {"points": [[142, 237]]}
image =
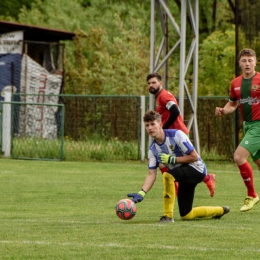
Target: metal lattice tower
{"points": [[188, 55]]}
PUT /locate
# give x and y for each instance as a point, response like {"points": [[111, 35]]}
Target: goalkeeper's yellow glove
{"points": [[166, 158]]}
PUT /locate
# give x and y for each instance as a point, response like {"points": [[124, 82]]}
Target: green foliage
{"points": [[111, 53], [124, 62], [100, 150], [66, 210], [249, 23], [212, 155], [60, 14], [11, 8], [92, 149], [214, 15], [36, 148], [111, 50], [217, 69]]}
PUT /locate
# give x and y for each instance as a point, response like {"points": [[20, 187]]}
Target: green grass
{"points": [[35, 148], [99, 150], [65, 210]]}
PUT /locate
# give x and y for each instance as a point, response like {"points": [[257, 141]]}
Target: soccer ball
{"points": [[125, 209]]}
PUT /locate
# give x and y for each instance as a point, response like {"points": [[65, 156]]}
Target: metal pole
{"points": [[152, 49], [182, 56], [195, 76], [7, 115], [237, 127], [142, 128], [165, 75], [152, 54]]}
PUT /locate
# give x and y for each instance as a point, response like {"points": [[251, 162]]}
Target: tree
{"points": [[12, 8], [111, 53], [217, 69]]}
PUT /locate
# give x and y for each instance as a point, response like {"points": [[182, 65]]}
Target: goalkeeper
{"points": [[173, 148], [167, 107]]}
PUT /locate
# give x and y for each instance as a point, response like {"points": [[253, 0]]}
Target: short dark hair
{"points": [[154, 75], [246, 52], [151, 116]]}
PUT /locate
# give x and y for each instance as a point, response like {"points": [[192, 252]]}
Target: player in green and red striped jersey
{"points": [[245, 94], [167, 106]]}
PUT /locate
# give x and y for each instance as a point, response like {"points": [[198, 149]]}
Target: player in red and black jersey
{"points": [[167, 106], [245, 94]]}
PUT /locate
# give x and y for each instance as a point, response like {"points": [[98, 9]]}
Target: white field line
{"points": [[254, 170], [225, 171], [116, 245], [139, 224]]}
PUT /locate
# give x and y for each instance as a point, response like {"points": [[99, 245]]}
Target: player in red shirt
{"points": [[245, 94], [167, 106]]}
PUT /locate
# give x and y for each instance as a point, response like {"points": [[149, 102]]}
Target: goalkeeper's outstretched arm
{"points": [[148, 183], [149, 180]]}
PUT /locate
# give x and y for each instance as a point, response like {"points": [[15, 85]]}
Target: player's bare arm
{"points": [[229, 108], [149, 180], [148, 184], [188, 158]]}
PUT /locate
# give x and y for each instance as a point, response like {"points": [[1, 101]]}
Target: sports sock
{"points": [[246, 173], [168, 195], [204, 212]]}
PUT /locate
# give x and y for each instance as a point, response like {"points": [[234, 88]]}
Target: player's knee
{"points": [[240, 155], [169, 177], [238, 159]]}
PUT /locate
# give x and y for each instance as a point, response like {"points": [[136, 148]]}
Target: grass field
{"points": [[65, 210]]}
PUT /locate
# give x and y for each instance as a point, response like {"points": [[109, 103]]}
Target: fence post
{"points": [[6, 141], [142, 128]]}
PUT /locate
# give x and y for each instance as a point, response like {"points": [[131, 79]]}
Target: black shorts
{"points": [[188, 178]]}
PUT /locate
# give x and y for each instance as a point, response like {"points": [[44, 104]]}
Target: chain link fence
{"points": [[88, 118], [32, 130], [216, 134], [105, 117]]}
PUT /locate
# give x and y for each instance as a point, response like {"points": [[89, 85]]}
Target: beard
{"points": [[154, 91]]}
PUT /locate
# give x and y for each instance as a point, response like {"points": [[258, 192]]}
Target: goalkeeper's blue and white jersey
{"points": [[176, 143]]}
